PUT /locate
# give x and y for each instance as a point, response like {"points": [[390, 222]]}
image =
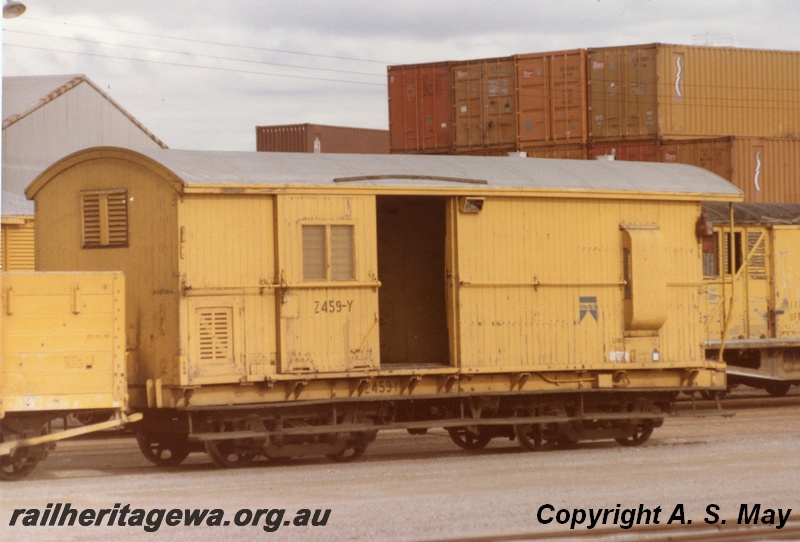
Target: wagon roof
{"points": [[196, 170], [754, 213]]}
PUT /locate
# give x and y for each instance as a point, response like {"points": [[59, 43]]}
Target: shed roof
{"points": [[24, 95], [196, 170], [754, 213], [15, 204]]}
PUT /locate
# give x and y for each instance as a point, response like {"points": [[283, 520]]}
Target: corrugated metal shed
{"points": [[46, 117], [16, 204], [16, 234], [225, 170]]}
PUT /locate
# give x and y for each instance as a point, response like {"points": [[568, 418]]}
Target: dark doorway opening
{"points": [[411, 269]]}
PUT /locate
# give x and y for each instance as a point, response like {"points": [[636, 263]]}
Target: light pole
{"points": [[11, 9]]}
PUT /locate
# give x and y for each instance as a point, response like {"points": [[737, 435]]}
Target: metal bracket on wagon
{"points": [[447, 382]]}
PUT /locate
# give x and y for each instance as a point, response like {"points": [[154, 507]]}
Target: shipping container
{"points": [[421, 108], [559, 151], [321, 138], [551, 98], [484, 104], [690, 92], [767, 170]]}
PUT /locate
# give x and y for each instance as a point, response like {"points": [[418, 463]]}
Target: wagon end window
{"points": [[104, 219], [711, 256], [328, 252], [732, 261]]}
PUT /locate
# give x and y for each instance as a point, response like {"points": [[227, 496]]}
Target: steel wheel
{"points": [[224, 453], [21, 462], [535, 437], [353, 451], [163, 450], [91, 418], [778, 389], [469, 438], [639, 437]]}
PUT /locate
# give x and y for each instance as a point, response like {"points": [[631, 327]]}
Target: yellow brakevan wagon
{"points": [[752, 271], [63, 352], [294, 304]]}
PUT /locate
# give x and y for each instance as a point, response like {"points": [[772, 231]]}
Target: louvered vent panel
{"points": [[757, 265], [342, 253], [313, 252], [215, 334], [118, 219], [19, 249], [91, 220]]}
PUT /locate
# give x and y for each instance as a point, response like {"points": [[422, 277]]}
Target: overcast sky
{"points": [[203, 75]]}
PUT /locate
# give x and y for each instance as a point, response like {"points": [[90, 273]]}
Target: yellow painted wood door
{"points": [[328, 291]]}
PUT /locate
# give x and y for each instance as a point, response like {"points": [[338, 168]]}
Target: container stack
{"points": [[733, 111]]}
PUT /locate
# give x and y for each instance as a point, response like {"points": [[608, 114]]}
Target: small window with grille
{"points": [[718, 259], [104, 219], [328, 252]]}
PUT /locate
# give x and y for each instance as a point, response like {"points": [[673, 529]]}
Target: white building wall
{"points": [[79, 118]]}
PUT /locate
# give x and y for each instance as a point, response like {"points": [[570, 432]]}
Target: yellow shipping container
{"points": [[679, 91]]}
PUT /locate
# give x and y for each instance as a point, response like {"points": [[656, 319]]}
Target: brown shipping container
{"points": [[766, 169], [321, 138], [551, 97], [421, 108], [688, 92], [559, 151], [484, 104]]}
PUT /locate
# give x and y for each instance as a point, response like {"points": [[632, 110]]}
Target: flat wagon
{"points": [[63, 353], [751, 264], [294, 304]]}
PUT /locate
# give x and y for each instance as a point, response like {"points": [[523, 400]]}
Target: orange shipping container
{"points": [[421, 108], [321, 138], [551, 98], [688, 92], [484, 104], [766, 169]]}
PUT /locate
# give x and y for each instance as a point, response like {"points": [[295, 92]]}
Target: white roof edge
{"points": [[73, 81]]}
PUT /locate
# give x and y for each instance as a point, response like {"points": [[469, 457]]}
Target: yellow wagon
{"points": [[294, 304], [63, 353]]}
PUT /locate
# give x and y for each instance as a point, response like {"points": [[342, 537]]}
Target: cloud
{"points": [[237, 65]]}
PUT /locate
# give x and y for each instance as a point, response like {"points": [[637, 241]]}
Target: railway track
{"points": [[741, 400], [729, 531]]}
